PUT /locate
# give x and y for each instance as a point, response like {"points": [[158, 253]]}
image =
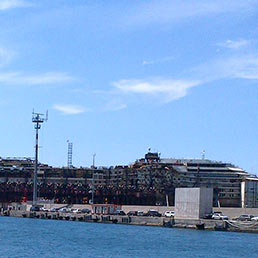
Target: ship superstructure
{"points": [[148, 181]]}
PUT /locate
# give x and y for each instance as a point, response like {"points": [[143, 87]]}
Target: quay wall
{"points": [[141, 221], [236, 212], [230, 212]]}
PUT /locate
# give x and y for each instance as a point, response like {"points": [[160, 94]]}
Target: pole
{"points": [[37, 119], [35, 182], [167, 201], [93, 160], [92, 194]]}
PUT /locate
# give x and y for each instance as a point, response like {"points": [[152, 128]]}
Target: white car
{"points": [[75, 210], [44, 209], [219, 216], [255, 218], [64, 209], [169, 214]]}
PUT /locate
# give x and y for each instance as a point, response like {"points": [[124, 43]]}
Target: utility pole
{"points": [[93, 186], [92, 193], [37, 119]]}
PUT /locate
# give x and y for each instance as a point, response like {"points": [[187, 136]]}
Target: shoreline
{"points": [[197, 224]]}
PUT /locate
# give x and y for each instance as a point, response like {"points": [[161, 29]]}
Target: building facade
{"points": [[249, 192]]}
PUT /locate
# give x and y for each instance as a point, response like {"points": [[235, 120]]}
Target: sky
{"points": [[118, 77]]}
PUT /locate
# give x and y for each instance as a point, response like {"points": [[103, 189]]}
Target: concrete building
{"points": [[249, 190], [193, 203]]}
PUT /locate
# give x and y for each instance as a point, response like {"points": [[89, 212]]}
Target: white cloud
{"points": [[237, 44], [9, 4], [69, 109], [166, 89], [242, 67], [46, 78], [161, 60]]}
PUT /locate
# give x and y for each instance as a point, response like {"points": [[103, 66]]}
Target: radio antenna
{"points": [[69, 154], [37, 119]]}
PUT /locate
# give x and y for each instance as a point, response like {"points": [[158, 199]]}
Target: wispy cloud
{"points": [[241, 67], [160, 60], [165, 11], [10, 4], [245, 68], [5, 56], [238, 67], [114, 105], [168, 90], [237, 44], [23, 79], [69, 109], [119, 107]]}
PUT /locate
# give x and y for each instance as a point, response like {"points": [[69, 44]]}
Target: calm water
{"points": [[20, 237]]}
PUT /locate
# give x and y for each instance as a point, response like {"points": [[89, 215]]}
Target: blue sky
{"points": [[120, 76]]}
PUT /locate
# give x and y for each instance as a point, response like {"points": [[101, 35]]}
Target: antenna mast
{"points": [[70, 154], [93, 160], [203, 154], [37, 119]]}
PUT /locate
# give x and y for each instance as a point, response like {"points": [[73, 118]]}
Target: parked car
{"points": [[132, 213], [34, 208], [64, 209], [119, 212], [255, 218], [53, 209], [169, 214], [153, 213], [75, 210], [245, 217], [44, 209], [140, 213], [219, 216], [85, 211], [208, 215]]}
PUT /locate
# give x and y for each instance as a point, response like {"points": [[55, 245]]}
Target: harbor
{"points": [[128, 129], [159, 185]]}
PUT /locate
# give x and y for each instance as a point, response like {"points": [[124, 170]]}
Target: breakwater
{"points": [[200, 224]]}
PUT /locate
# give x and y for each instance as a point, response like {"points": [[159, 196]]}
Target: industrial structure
{"points": [[37, 119], [151, 180], [69, 154]]}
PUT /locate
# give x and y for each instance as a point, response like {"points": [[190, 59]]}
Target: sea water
{"points": [[22, 237]]}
